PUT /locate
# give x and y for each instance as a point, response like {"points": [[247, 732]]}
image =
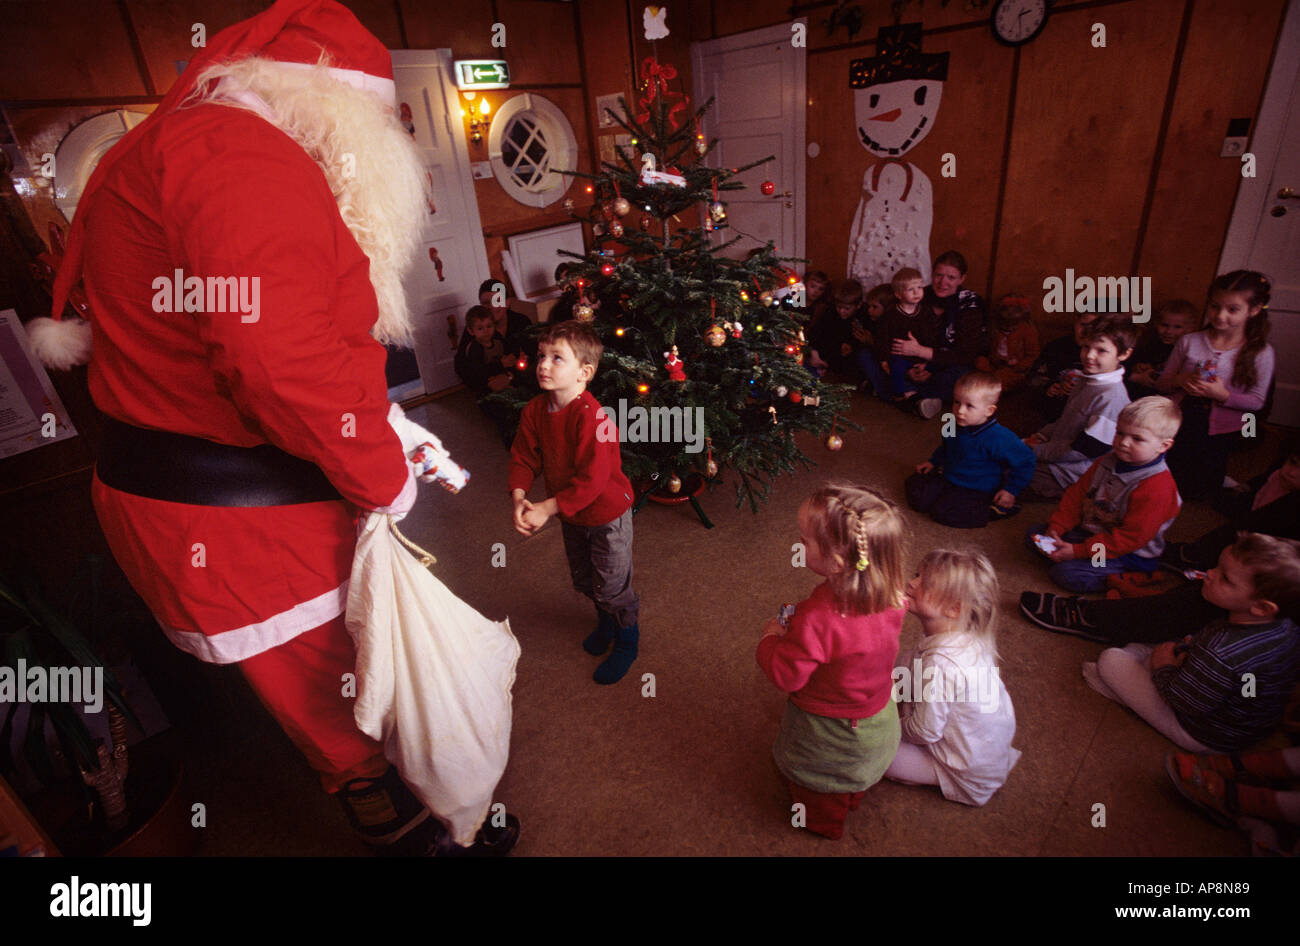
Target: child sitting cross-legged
{"points": [[1066, 448], [1114, 519], [1226, 687], [978, 468], [957, 719]]}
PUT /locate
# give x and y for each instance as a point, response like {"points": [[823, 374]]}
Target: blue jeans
{"points": [[887, 385], [1080, 575]]}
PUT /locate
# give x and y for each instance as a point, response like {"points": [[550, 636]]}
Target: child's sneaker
{"points": [[1061, 614]]}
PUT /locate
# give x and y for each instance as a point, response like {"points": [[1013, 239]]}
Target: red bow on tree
{"points": [[654, 79]]}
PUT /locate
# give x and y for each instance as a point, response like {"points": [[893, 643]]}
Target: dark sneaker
{"points": [[1061, 614]]}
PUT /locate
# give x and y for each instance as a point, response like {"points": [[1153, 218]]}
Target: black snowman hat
{"points": [[898, 57]]}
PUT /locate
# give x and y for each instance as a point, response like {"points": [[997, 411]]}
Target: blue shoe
{"points": [[598, 641], [616, 665]]}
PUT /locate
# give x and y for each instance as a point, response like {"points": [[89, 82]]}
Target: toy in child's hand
{"points": [[433, 464], [1194, 574], [1046, 544], [786, 612]]}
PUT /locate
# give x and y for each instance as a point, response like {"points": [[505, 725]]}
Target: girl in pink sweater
{"points": [[835, 656]]}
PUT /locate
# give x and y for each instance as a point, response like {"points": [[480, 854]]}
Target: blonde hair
{"points": [[904, 276], [867, 532], [964, 578], [979, 382], [1157, 414]]}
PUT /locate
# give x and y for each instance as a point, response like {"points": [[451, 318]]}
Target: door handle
{"points": [[1288, 193]]}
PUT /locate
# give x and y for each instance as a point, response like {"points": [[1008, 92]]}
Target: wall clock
{"points": [[1016, 22]]}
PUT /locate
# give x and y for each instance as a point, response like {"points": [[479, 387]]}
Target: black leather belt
{"points": [[182, 469]]}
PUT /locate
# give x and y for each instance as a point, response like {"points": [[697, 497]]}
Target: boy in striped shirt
{"points": [[1227, 687]]}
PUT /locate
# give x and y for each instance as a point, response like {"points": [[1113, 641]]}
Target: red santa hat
{"points": [[293, 32]]}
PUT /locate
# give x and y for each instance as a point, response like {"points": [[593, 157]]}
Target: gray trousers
{"points": [[600, 561]]}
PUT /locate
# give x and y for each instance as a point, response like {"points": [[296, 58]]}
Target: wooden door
{"points": [[757, 81]]}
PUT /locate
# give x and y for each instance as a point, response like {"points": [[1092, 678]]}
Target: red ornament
{"points": [[796, 396], [768, 188]]}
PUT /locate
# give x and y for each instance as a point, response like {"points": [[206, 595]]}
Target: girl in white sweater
{"points": [[957, 718]]}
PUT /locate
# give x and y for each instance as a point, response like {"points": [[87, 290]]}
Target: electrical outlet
{"points": [[1233, 147]]}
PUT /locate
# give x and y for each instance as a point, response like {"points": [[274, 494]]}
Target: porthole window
{"points": [[531, 142]]}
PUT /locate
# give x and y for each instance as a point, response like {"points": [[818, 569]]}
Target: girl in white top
{"points": [[956, 715]]}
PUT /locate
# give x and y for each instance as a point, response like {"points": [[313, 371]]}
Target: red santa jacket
{"points": [[218, 192]]}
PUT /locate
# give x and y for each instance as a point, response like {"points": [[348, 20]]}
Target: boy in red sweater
{"points": [[1114, 519], [564, 435]]}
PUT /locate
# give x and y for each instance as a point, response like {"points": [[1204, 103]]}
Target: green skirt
{"points": [[830, 755]]}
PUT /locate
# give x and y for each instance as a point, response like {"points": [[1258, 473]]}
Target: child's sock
{"points": [[613, 668], [598, 641], [1092, 676]]}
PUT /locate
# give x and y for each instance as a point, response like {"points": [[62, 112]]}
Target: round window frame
{"points": [[559, 137]]}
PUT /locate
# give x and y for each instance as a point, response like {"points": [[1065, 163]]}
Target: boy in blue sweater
{"points": [[976, 472]]}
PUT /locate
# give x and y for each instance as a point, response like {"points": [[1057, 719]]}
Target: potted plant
{"points": [[45, 640]]}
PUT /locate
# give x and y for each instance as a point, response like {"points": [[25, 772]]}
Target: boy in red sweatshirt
{"points": [[1114, 519], [565, 436]]}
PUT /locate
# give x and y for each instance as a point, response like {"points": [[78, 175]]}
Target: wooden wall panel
{"points": [[165, 30], [750, 15], [467, 32], [63, 49], [541, 45], [876, 15], [1196, 188], [1083, 140]]}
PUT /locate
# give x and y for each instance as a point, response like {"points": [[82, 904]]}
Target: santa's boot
{"points": [[598, 641], [620, 659], [385, 813]]}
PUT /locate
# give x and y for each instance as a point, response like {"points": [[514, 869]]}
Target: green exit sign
{"points": [[482, 74]]}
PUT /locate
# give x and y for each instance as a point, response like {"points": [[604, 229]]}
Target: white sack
{"points": [[433, 679]]}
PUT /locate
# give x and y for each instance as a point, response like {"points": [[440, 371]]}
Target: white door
{"points": [[757, 81], [443, 282], [1264, 234]]}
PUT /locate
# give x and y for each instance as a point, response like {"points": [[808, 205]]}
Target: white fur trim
{"points": [[60, 345], [386, 89], [243, 642]]}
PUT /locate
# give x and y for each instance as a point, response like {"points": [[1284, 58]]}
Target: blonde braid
{"points": [[860, 541]]}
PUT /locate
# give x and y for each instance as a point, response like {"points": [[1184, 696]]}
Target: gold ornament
{"points": [[834, 442], [674, 484], [701, 146], [711, 468], [717, 212], [716, 336], [583, 312], [621, 206]]}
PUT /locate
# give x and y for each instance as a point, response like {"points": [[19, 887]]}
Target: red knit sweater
{"points": [[582, 472], [832, 664]]}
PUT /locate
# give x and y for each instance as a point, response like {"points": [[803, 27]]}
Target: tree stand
{"points": [[692, 486]]}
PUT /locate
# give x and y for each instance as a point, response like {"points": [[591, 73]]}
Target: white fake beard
{"points": [[371, 163]]}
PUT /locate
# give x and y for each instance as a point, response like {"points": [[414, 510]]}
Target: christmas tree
{"points": [[689, 333]]}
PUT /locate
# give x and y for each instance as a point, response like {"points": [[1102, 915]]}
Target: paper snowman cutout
{"points": [[895, 99]]}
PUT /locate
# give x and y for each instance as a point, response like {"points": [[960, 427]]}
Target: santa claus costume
{"points": [[248, 427]]}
